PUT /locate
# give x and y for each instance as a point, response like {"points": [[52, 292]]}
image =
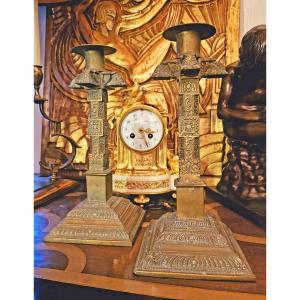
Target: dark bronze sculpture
{"points": [[242, 107]]}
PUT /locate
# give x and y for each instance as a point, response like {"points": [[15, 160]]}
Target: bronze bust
{"points": [[242, 107]]}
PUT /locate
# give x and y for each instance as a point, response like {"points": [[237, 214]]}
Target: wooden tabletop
{"points": [[111, 268]]}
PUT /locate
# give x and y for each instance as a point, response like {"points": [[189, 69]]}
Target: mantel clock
{"points": [[141, 166], [141, 129]]}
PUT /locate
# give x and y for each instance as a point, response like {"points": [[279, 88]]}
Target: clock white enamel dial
{"points": [[141, 129]]}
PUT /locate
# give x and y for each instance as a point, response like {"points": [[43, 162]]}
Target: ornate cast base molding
{"points": [[114, 222], [127, 184], [192, 249]]}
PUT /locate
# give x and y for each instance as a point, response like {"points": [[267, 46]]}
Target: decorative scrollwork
{"points": [[55, 164]]}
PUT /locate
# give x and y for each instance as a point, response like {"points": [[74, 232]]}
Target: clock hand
{"points": [[148, 130], [144, 137], [142, 132]]}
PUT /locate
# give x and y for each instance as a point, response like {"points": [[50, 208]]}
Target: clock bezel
{"points": [[145, 107]]}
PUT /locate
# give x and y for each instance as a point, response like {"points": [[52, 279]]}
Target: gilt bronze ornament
{"points": [[141, 162], [101, 219], [189, 243]]}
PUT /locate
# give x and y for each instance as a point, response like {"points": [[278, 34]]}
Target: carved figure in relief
{"points": [[104, 28], [242, 107], [134, 28]]}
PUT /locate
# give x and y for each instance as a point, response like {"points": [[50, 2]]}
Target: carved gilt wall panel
{"points": [[134, 28]]}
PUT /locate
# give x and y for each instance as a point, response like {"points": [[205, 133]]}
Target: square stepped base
{"points": [[191, 249], [114, 223]]}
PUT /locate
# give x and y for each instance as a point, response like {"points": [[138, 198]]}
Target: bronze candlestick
{"points": [[101, 219], [190, 243], [54, 164]]}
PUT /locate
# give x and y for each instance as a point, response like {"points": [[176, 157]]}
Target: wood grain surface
{"points": [[53, 190], [111, 268]]}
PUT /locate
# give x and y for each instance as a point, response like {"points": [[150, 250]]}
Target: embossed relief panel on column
{"points": [[188, 104], [98, 153], [188, 126], [188, 155], [134, 29], [189, 86], [97, 110]]}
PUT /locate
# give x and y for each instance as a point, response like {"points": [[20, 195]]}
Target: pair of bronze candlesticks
{"points": [[184, 244]]}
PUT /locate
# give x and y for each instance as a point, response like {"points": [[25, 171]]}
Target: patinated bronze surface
{"points": [[101, 219], [190, 243], [38, 78], [242, 107], [55, 159]]}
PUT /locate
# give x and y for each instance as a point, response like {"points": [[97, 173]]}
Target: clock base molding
{"points": [[193, 248], [93, 222], [152, 185], [141, 185]]}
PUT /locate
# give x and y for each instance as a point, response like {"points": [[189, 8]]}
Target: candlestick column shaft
{"points": [[99, 176], [190, 188], [188, 128]]}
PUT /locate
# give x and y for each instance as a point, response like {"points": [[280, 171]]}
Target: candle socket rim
{"points": [[82, 49], [204, 30]]}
